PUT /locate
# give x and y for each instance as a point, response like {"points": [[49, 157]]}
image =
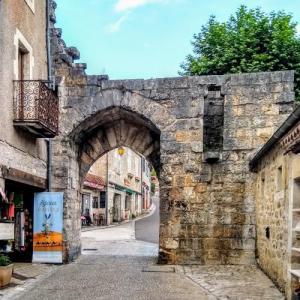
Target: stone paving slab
{"points": [[120, 248], [25, 275], [114, 278], [233, 282]]}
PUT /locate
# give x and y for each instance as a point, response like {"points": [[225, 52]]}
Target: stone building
{"points": [[198, 132], [93, 195], [277, 195], [128, 183], [29, 116]]}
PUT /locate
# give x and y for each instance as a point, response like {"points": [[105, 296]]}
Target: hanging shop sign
{"points": [[48, 228]]}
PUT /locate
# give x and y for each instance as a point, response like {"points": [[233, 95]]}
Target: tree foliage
{"points": [[250, 41]]}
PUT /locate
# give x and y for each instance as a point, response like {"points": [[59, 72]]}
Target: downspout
{"points": [[142, 202], [106, 194], [49, 65]]}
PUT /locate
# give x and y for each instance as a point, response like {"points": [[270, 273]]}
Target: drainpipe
{"points": [[106, 195], [49, 141], [142, 202]]}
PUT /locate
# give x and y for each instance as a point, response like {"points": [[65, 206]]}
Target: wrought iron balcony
{"points": [[36, 108]]}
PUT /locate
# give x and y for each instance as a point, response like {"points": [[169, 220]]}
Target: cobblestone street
{"points": [[115, 265], [233, 282]]}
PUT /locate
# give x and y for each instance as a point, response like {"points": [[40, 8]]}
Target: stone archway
{"points": [[132, 121], [199, 132], [113, 128]]}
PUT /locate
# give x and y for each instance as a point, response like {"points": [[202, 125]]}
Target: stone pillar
{"points": [[65, 178]]}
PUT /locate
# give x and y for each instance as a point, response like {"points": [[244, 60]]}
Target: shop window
{"points": [[279, 184], [85, 209], [7, 207], [102, 199], [95, 202]]}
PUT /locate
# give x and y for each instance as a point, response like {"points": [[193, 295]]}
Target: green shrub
{"points": [[4, 260]]}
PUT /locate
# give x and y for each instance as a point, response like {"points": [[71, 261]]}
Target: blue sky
{"points": [[144, 38]]}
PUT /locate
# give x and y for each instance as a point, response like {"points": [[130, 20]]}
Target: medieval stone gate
{"points": [[198, 132]]}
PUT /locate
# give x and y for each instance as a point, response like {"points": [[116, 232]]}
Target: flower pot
{"points": [[5, 274]]}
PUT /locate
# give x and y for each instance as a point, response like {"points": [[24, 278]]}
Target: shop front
{"points": [[16, 213]]}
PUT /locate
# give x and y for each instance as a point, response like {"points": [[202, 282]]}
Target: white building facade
{"points": [[128, 184]]}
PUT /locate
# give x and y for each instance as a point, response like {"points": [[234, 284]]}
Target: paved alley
{"points": [[114, 265], [120, 263]]}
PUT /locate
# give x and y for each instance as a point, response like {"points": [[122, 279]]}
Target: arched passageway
{"points": [[198, 133], [88, 137]]}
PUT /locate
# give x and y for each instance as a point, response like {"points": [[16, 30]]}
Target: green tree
{"points": [[250, 41]]}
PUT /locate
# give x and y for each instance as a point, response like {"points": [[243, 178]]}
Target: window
{"points": [[24, 60], [127, 201], [136, 202], [102, 199], [30, 3], [296, 193], [279, 184], [262, 187], [137, 166], [95, 202], [85, 208]]}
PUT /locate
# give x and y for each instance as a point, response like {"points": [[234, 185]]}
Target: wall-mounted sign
{"points": [[7, 231], [48, 228]]}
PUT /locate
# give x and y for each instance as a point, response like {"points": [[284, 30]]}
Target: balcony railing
{"points": [[36, 108]]}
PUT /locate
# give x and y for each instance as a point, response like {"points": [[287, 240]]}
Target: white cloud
{"points": [[116, 26], [124, 5]]}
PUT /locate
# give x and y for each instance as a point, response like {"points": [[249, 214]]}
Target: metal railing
{"points": [[35, 103]]}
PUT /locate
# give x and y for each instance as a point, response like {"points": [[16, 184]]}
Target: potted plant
{"points": [[6, 270]]}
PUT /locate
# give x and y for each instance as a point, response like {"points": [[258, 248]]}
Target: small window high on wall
{"points": [[262, 186], [213, 124], [279, 179]]}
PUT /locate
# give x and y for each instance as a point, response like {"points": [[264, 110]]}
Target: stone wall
{"points": [[207, 213], [272, 211], [277, 203]]}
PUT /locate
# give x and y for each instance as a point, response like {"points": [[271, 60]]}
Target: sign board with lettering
{"points": [[7, 231], [48, 228]]}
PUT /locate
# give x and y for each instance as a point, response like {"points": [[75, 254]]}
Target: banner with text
{"points": [[48, 228]]}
